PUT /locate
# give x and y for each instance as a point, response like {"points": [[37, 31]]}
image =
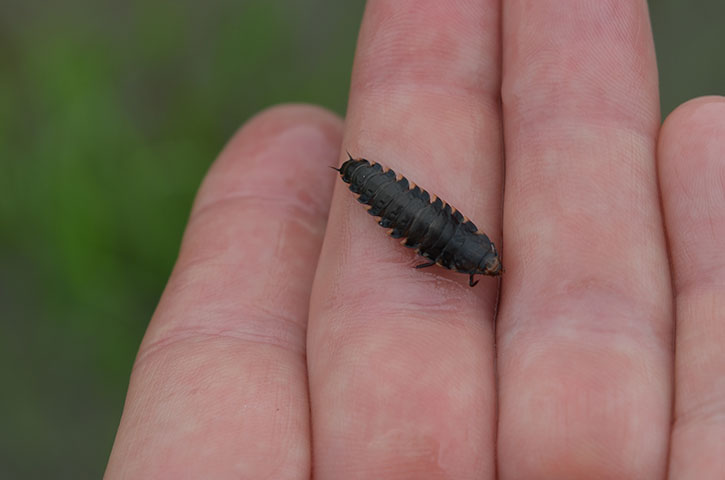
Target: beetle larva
{"points": [[433, 228]]}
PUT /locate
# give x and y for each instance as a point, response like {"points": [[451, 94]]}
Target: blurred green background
{"points": [[110, 113]]}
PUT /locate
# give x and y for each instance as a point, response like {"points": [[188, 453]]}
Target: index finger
{"points": [[218, 388]]}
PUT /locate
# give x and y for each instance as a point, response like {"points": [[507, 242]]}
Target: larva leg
{"points": [[471, 282], [424, 265]]}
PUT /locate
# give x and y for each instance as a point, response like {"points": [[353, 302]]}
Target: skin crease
{"points": [[295, 339]]}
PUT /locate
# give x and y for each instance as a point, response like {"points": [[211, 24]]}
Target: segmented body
{"points": [[436, 230]]}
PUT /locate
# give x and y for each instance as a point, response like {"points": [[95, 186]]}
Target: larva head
{"points": [[349, 167]]}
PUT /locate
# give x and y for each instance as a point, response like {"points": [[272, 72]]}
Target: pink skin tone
{"points": [[294, 333]]}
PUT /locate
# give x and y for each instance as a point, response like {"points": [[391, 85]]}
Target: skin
{"points": [[293, 332]]}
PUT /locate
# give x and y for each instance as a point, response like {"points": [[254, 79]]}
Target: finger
{"points": [[401, 360], [219, 386], [584, 328], [692, 178]]}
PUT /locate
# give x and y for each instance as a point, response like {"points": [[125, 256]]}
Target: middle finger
{"points": [[401, 360]]}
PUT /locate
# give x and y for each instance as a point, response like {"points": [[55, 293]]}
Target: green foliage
{"points": [[109, 116]]}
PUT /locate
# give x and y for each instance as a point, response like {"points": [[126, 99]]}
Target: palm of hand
{"points": [[272, 351]]}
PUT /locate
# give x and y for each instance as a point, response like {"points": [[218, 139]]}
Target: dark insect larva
{"points": [[437, 231]]}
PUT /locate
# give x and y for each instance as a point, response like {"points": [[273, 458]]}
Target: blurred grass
{"points": [[110, 113]]}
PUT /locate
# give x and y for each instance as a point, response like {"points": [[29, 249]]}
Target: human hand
{"points": [[272, 352]]}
